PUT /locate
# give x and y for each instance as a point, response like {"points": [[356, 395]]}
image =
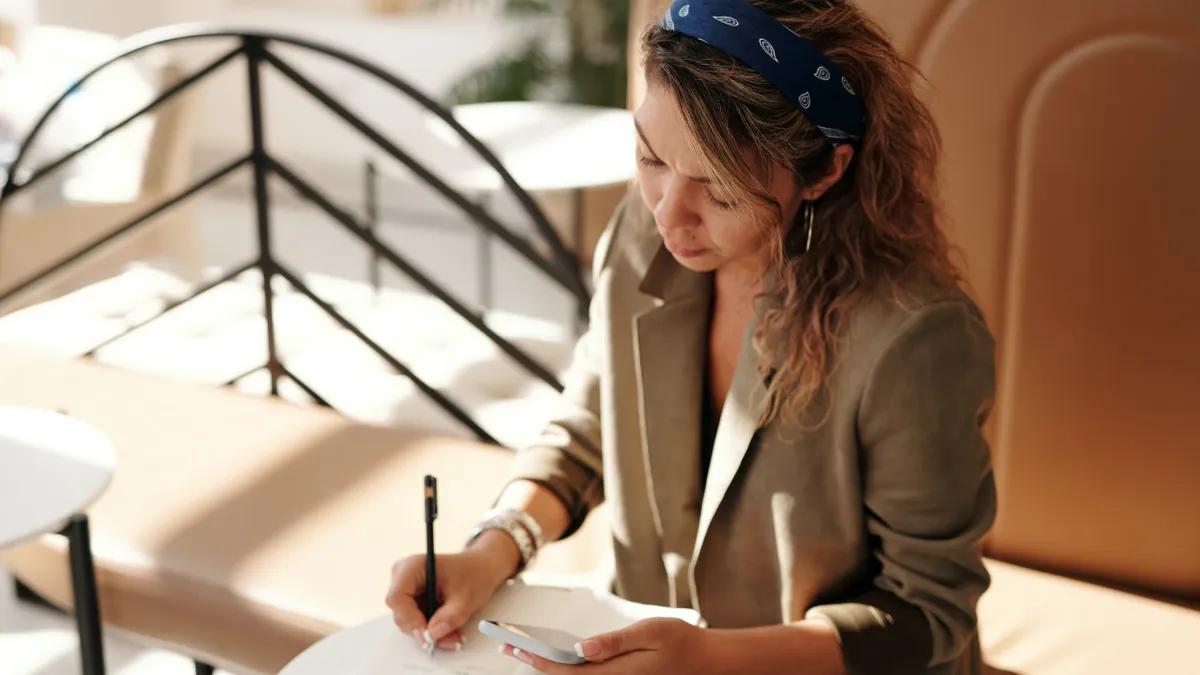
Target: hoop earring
{"points": [[809, 213]]}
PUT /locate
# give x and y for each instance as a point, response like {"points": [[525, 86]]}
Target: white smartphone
{"points": [[547, 643]]}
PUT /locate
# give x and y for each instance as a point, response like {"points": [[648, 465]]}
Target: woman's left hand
{"points": [[649, 646]]}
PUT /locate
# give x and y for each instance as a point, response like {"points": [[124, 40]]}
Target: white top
{"points": [[51, 467], [545, 146]]}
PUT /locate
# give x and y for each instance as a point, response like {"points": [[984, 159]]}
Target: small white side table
{"points": [[52, 468]]}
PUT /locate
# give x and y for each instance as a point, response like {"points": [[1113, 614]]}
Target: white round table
{"points": [[52, 468], [352, 650], [377, 647], [546, 147]]}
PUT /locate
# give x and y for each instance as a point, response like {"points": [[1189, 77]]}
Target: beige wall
{"points": [[117, 17]]}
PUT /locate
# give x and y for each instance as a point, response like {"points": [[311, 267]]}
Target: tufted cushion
{"points": [[221, 335]]}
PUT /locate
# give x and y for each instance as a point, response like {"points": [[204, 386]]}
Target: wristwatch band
{"points": [[516, 530], [526, 520]]}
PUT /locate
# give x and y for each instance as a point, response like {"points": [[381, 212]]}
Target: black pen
{"points": [[431, 605]]}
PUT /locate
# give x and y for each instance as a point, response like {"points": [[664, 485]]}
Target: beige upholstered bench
{"points": [[238, 529], [1037, 623]]}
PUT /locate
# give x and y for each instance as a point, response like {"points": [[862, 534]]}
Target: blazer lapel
{"points": [[671, 340], [744, 405]]}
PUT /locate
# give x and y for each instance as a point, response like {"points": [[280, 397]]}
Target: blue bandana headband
{"points": [[792, 64]]}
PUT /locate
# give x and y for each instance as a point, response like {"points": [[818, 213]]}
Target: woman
{"points": [[782, 388]]}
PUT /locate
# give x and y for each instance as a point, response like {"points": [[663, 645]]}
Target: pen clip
{"points": [[430, 497]]}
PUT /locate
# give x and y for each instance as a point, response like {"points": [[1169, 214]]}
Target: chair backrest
{"points": [[110, 183], [8, 34], [1070, 150], [169, 153], [53, 57]]}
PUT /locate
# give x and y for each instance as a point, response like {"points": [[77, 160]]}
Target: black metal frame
{"points": [[562, 267], [83, 588], [83, 585], [84, 593]]}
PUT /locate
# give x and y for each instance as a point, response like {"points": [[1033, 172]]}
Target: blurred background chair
{"points": [[106, 186]]}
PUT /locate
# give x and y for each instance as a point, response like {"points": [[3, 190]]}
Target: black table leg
{"points": [[581, 308], [484, 256], [87, 606]]}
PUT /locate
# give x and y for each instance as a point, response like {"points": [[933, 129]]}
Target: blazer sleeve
{"points": [[929, 495], [566, 457]]}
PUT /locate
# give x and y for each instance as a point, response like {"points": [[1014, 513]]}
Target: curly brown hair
{"points": [[877, 225]]}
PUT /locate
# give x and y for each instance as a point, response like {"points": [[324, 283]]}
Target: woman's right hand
{"points": [[466, 582]]}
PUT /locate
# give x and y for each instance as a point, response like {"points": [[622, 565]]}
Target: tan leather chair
{"points": [[1071, 150]]}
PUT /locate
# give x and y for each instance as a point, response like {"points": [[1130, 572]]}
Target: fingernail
{"points": [[458, 647], [525, 658], [418, 637], [587, 649], [501, 648], [428, 637]]}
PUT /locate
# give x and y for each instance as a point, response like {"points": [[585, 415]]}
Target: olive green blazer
{"points": [[873, 521]]}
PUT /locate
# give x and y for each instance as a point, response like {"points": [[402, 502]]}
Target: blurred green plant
{"points": [[588, 67]]}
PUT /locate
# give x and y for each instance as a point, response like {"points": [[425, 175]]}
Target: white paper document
{"points": [[378, 647]]}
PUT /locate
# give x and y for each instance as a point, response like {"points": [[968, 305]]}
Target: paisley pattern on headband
{"points": [[768, 48], [788, 61]]}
